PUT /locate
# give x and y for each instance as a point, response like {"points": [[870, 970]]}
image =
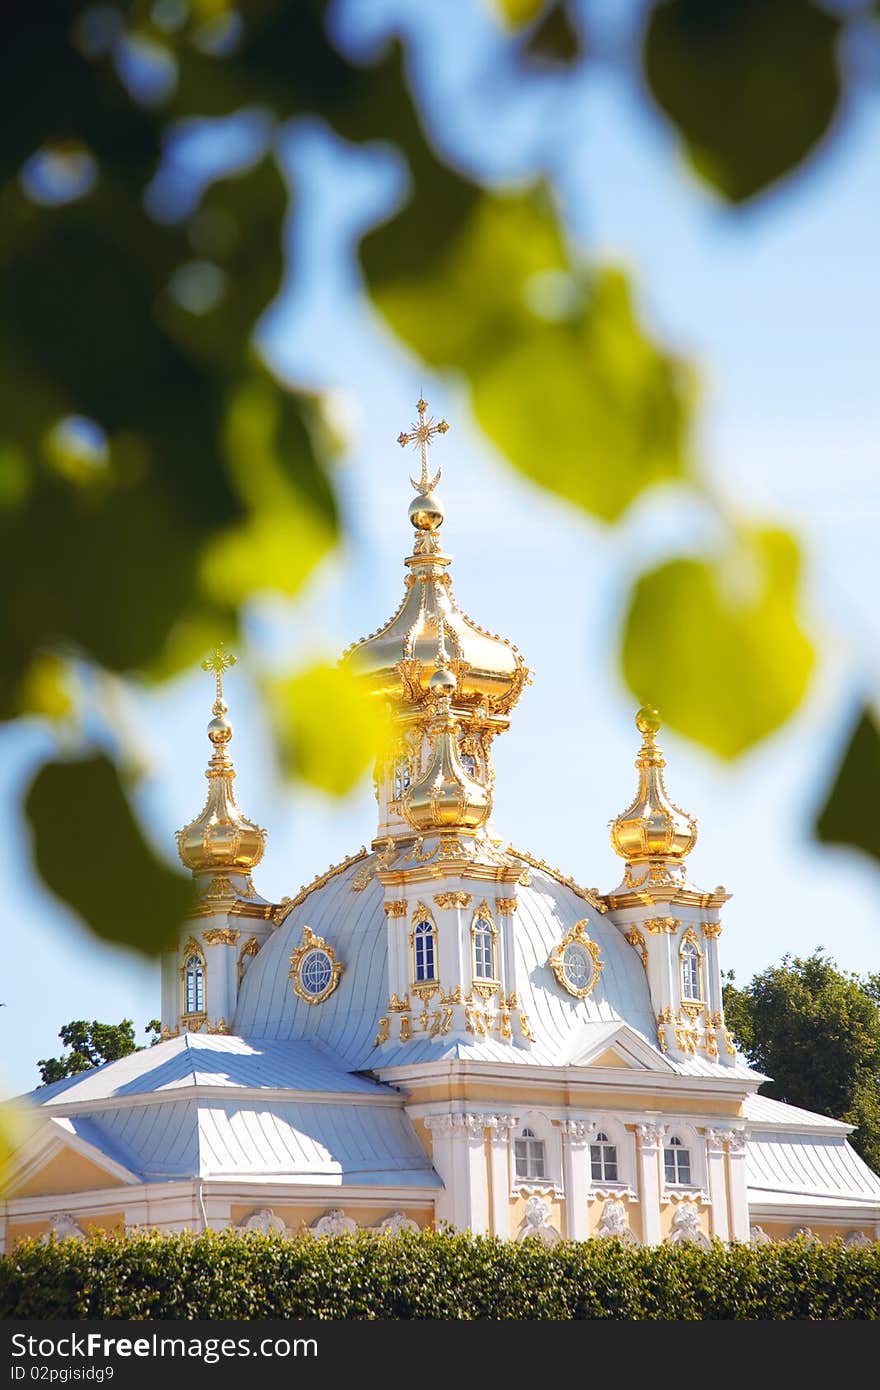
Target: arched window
{"points": [[194, 985], [483, 935], [424, 940], [677, 1162], [529, 1155], [401, 779], [691, 983], [603, 1159]]}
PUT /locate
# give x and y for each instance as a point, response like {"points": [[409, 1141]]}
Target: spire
{"points": [[653, 827], [398, 661], [221, 838]]}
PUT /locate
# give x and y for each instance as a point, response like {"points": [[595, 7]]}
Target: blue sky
{"points": [[777, 304]]}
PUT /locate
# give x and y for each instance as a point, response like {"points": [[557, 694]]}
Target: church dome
{"points": [[652, 826], [221, 837], [398, 660], [345, 907], [446, 796]]}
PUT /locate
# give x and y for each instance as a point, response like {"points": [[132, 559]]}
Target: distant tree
{"points": [[91, 1045], [816, 1031]]}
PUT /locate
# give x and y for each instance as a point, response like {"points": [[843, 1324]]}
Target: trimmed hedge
{"points": [[431, 1275]]}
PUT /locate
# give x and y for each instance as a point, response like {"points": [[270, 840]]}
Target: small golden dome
{"points": [[653, 827], [446, 797], [221, 837]]}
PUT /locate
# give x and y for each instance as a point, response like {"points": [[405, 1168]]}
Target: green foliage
{"points": [[741, 616], [847, 817], [155, 474], [751, 86], [328, 733], [431, 1275], [91, 1045], [563, 377], [78, 811], [816, 1031]]}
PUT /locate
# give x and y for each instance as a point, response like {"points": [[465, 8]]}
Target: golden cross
{"points": [[219, 661], [422, 434]]}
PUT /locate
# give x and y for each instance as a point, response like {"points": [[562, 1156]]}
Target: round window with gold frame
{"points": [[576, 962], [314, 969]]}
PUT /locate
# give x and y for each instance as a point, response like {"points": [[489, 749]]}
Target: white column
{"points": [[575, 1138], [736, 1177], [500, 1127], [459, 1158], [715, 1142], [650, 1136]]}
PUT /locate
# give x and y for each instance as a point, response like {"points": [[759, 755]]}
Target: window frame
{"points": [[678, 1146], [483, 924], [690, 951], [421, 917]]}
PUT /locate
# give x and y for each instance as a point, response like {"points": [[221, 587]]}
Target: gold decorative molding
{"points": [[525, 879], [589, 895], [525, 1029], [656, 925], [384, 1032], [221, 936], [635, 938], [397, 908], [309, 943], [405, 1028], [399, 1006], [453, 899], [250, 948], [506, 906], [577, 937], [711, 930], [425, 990]]}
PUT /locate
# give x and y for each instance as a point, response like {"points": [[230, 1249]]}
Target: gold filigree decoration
{"points": [[425, 990], [221, 936], [221, 1026], [657, 925], [589, 895], [405, 1028], [635, 938], [250, 948], [384, 1032], [362, 877], [309, 943], [525, 879], [399, 1006], [220, 886], [455, 996], [453, 899], [577, 937], [486, 988], [525, 1029], [506, 906], [397, 908], [711, 930]]}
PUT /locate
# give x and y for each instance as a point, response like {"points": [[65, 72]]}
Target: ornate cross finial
{"points": [[422, 434], [219, 661]]}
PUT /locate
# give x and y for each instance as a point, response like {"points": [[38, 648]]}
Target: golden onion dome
{"points": [[653, 827], [397, 662], [222, 837], [445, 797]]}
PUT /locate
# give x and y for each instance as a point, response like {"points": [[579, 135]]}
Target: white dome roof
{"points": [[354, 924]]}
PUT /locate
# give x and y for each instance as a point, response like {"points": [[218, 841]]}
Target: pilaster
{"points": [[575, 1139], [650, 1136]]}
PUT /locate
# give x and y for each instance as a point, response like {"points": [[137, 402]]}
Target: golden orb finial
{"points": [[648, 720]]}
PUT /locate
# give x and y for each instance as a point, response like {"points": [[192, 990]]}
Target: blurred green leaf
{"points": [[330, 734], [16, 1126], [717, 646], [517, 13], [46, 687], [849, 815], [751, 85], [564, 379], [90, 852]]}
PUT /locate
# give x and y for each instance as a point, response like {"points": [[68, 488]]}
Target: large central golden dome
{"points": [[397, 662]]}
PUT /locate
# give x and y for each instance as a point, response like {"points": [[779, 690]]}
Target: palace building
{"points": [[442, 1027]]}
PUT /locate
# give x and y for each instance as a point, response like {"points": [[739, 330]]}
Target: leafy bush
{"points": [[440, 1275]]}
